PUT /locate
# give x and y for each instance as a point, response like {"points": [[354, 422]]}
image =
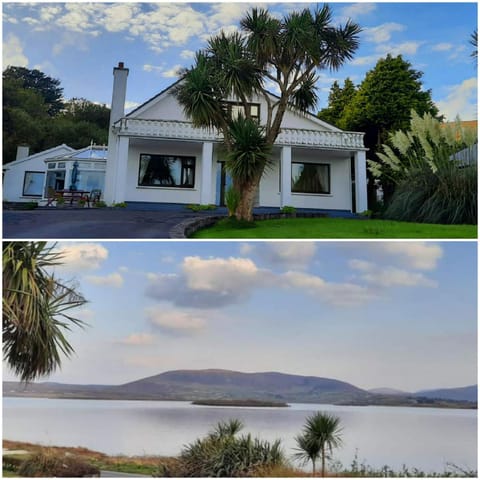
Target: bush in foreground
{"points": [[222, 453], [434, 169], [51, 465]]}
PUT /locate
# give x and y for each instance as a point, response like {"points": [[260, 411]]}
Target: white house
{"points": [[24, 178], [156, 155], [29, 177]]}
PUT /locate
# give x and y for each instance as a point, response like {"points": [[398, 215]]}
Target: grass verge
{"points": [[333, 228]]}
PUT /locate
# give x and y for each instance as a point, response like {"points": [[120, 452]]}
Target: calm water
{"points": [[425, 438]]}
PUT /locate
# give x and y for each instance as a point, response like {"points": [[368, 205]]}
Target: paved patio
{"points": [[139, 221]]}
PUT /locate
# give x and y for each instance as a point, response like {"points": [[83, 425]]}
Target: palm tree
{"points": [[227, 429], [321, 434], [35, 306], [474, 42], [285, 52]]}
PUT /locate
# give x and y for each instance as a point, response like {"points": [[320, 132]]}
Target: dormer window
{"points": [[235, 109]]}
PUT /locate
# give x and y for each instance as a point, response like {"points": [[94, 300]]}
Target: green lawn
{"points": [[335, 228]]}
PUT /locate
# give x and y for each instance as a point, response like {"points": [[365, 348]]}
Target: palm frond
{"points": [[35, 306]]}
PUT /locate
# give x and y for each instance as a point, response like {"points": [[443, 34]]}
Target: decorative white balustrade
{"points": [[288, 136]]}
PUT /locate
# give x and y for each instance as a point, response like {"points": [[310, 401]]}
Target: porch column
{"points": [[206, 174], [361, 181], [286, 176], [121, 170]]}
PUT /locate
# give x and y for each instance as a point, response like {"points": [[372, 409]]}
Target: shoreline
{"points": [[438, 404]]}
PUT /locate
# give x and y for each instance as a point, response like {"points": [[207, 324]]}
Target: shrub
{"points": [[31, 205], [51, 465], [100, 204], [224, 454], [434, 169], [232, 200], [288, 209], [201, 208]]}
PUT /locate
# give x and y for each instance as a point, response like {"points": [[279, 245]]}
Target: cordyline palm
{"points": [[35, 306], [321, 434], [285, 52]]}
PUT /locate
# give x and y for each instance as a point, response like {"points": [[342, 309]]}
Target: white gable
{"points": [[165, 106], [38, 158]]}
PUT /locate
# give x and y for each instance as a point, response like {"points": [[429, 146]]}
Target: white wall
{"points": [[340, 197], [15, 173], [166, 107], [136, 193]]}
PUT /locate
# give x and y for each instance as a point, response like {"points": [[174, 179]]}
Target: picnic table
{"points": [[72, 196]]}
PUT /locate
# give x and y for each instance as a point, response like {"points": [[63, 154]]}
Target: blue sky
{"points": [[376, 314], [80, 43]]}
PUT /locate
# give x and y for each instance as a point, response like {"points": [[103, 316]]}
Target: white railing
{"points": [[288, 136]]}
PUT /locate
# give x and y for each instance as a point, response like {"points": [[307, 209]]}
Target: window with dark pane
{"points": [[310, 177], [166, 171]]}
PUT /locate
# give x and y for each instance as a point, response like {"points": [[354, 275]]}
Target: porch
{"points": [[336, 159]]}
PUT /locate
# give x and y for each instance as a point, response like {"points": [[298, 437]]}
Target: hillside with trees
{"points": [[36, 114]]}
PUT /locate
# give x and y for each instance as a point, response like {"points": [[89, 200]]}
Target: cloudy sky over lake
{"points": [[80, 43], [376, 314]]}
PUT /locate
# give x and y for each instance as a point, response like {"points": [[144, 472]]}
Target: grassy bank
{"points": [[333, 228], [144, 465], [159, 466]]}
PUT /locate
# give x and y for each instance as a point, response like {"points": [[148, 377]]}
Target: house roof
{"points": [[153, 100], [40, 154], [92, 152]]}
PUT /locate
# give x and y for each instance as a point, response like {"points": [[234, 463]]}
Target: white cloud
{"points": [[405, 48], [131, 105], [138, 339], [365, 60], [418, 255], [388, 276], [117, 17], [187, 54], [111, 280], [283, 254], [220, 275], [442, 47], [82, 256], [337, 294], [173, 72], [461, 100], [13, 54], [358, 9], [382, 33], [175, 321]]}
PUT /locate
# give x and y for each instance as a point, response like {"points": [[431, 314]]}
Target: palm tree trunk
{"points": [[313, 467], [245, 207], [323, 460]]}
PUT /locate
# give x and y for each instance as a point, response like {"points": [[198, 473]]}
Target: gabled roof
{"points": [[151, 101], [167, 91], [40, 154], [92, 152]]}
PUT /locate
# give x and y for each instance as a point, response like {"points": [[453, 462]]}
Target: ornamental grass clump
{"points": [[50, 464], [434, 168], [222, 453]]}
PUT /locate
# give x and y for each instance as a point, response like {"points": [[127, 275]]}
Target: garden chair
{"points": [[95, 195], [51, 196]]}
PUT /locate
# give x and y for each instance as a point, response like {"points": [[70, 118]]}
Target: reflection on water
{"points": [[425, 438]]}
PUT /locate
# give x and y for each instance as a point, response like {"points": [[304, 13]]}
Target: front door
{"points": [[224, 181]]}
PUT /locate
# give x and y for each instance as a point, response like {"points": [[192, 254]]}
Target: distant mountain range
{"points": [[194, 385]]}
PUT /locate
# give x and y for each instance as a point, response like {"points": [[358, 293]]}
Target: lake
{"points": [[426, 438]]}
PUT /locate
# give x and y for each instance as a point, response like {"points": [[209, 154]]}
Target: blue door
{"points": [[223, 183]]}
